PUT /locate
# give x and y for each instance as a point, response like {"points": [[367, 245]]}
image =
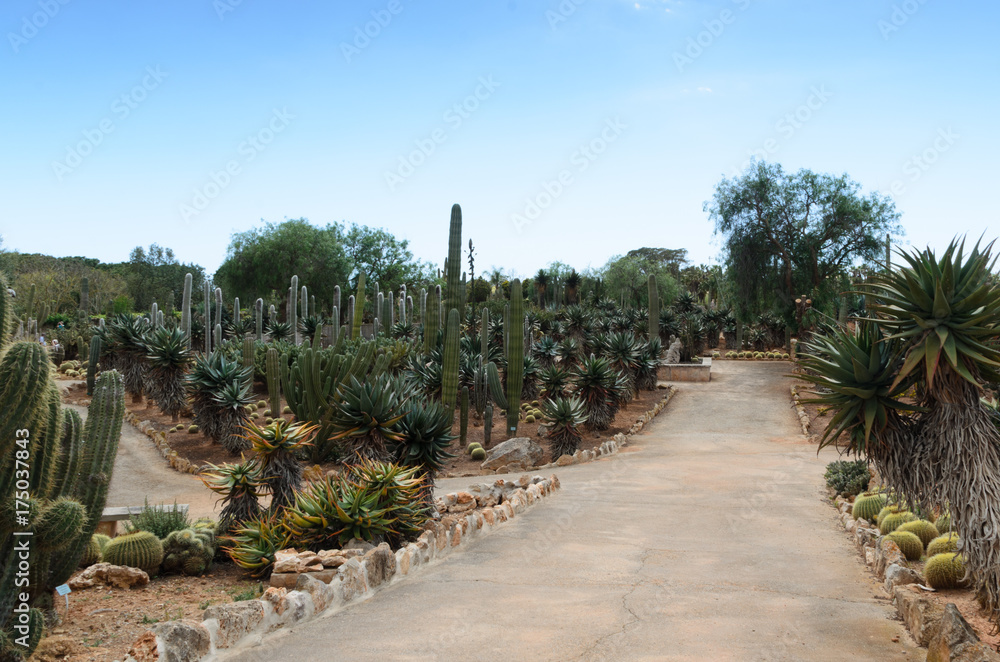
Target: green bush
{"points": [[158, 520], [848, 478]]}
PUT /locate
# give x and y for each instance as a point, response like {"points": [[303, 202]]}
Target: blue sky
{"points": [[122, 119]]}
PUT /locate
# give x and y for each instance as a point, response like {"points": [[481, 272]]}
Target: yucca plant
{"points": [[366, 414], [563, 418], [241, 488], [277, 447], [596, 383], [168, 356], [253, 543], [279, 330], [554, 381]]}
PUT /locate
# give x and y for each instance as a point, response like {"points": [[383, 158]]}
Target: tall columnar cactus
{"points": [[359, 308], [336, 305], [186, 308], [449, 375], [293, 309], [154, 316], [304, 303], [335, 332], [487, 425], [258, 313], [440, 306], [273, 369], [423, 305], [85, 297], [312, 305], [248, 351], [217, 335], [208, 316], [454, 265], [350, 315], [515, 358], [463, 429], [654, 309], [402, 303], [92, 360], [392, 312], [379, 307], [218, 312], [431, 322], [236, 311]]}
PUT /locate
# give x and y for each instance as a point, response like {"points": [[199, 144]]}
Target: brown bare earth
{"points": [[103, 623]]}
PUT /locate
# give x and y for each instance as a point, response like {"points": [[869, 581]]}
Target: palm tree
{"points": [[541, 283], [572, 286]]}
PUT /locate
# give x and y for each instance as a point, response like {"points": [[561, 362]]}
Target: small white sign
{"points": [[63, 589]]}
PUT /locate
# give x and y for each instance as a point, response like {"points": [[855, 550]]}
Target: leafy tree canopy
{"points": [[628, 275]]}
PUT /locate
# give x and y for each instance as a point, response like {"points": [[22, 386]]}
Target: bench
{"points": [[108, 524]]}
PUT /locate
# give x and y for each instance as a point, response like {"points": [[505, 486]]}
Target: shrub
{"points": [[158, 520], [848, 478]]}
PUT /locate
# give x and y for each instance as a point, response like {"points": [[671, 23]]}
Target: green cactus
{"points": [[473, 446], [893, 521], [943, 523], [945, 571], [140, 549], [248, 351], [207, 298], [478, 455], [273, 374], [189, 551], [293, 309], [92, 554], [359, 308], [487, 424], [943, 544], [868, 505], [304, 299], [258, 319], [193, 429], [908, 543], [449, 378], [454, 264], [922, 529], [59, 521], [92, 361], [431, 321], [463, 428], [515, 357], [653, 329], [888, 510]]}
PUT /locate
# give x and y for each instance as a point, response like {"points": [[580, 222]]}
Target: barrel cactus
{"points": [[943, 523], [102, 540], [943, 544], [945, 571], [868, 505], [889, 510], [141, 550], [908, 543], [893, 521], [479, 455], [923, 529], [92, 554], [189, 551]]}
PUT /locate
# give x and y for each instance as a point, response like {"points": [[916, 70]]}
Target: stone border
{"points": [[943, 631], [159, 439], [803, 416], [229, 625]]}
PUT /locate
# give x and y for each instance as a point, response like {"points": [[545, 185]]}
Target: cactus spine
{"points": [[273, 373], [293, 309], [515, 358], [654, 309], [359, 308], [186, 308], [464, 418]]}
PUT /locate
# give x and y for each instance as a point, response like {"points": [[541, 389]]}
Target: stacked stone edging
{"points": [[803, 416], [159, 439], [943, 631], [358, 577]]}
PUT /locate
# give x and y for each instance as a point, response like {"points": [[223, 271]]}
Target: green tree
{"points": [[628, 276], [790, 234], [673, 259], [261, 262], [155, 275], [383, 258]]}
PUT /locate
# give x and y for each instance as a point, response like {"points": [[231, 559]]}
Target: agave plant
{"points": [[237, 328], [623, 351], [279, 330], [554, 381], [597, 385], [569, 352], [220, 391], [545, 350], [309, 325], [425, 435], [240, 486], [685, 303], [563, 418], [168, 356], [366, 415], [648, 364], [529, 389], [277, 447], [577, 321], [253, 543], [404, 330], [428, 372], [127, 343], [669, 325], [692, 336]]}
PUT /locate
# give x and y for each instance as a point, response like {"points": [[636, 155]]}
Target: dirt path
{"points": [[141, 472], [708, 539]]}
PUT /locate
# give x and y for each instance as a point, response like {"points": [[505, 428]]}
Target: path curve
{"points": [[707, 538]]}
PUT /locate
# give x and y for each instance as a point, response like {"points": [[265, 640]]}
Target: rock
{"points": [[897, 575], [674, 352], [283, 580], [954, 641], [486, 495], [331, 558], [380, 564], [119, 576], [236, 620], [274, 595], [565, 461], [182, 641], [886, 553], [519, 450], [869, 557], [919, 613], [144, 649], [463, 502], [353, 576], [360, 545], [294, 607], [287, 560], [403, 557], [320, 592]]}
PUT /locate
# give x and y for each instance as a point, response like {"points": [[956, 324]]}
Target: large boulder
{"points": [[954, 641], [517, 451], [119, 576]]}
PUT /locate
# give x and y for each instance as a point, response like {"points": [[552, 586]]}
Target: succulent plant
{"points": [[168, 355], [943, 522], [888, 510], [277, 447], [868, 505], [909, 544], [189, 551], [943, 544], [140, 549], [945, 571], [564, 418], [366, 416], [597, 386], [478, 455], [425, 435], [893, 521], [92, 554], [240, 486], [923, 529], [253, 543]]}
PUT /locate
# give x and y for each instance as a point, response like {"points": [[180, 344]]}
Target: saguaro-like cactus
{"points": [[293, 309], [273, 370], [359, 308], [208, 316], [654, 309], [515, 358], [186, 308], [95, 355], [218, 312], [454, 264], [463, 429], [258, 312], [431, 321], [449, 376], [248, 351]]}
